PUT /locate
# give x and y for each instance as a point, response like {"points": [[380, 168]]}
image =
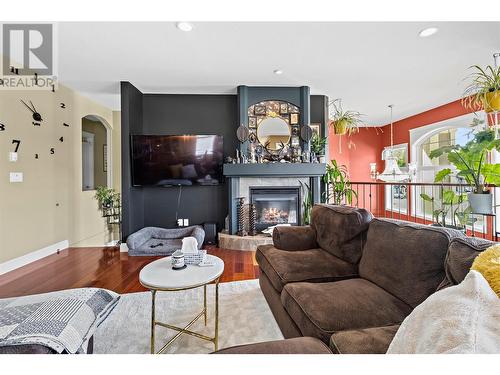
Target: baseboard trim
{"points": [[15, 263]]}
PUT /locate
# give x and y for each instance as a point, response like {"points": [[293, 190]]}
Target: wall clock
{"points": [[37, 120]]}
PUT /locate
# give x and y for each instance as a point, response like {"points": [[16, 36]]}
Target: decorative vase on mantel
{"points": [[252, 216], [241, 217]]}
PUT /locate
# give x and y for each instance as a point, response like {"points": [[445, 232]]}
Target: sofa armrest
{"points": [[294, 238], [298, 345]]}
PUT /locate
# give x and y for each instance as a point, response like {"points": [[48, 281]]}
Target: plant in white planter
{"points": [[471, 162], [318, 145]]}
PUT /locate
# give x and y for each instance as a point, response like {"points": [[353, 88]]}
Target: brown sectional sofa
{"points": [[349, 280]]}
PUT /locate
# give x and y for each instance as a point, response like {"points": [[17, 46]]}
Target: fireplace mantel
{"points": [[243, 176], [275, 170]]}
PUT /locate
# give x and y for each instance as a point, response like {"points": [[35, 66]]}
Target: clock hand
{"points": [[33, 106], [27, 106]]}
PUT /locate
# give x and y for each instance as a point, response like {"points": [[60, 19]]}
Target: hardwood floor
{"points": [[105, 267]]}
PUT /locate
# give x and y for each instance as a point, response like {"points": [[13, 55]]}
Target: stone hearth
{"points": [[234, 242]]}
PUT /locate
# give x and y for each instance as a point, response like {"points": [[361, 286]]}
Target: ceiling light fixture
{"points": [[184, 26], [428, 32], [392, 173], [278, 71]]}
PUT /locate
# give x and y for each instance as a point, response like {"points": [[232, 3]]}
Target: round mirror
{"points": [[272, 132]]}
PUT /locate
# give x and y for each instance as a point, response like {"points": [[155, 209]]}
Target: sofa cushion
{"points": [[321, 309], [405, 259], [341, 230], [300, 345], [461, 253], [363, 341], [316, 265]]}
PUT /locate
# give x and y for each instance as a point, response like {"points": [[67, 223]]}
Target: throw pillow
{"points": [[488, 264], [464, 318]]}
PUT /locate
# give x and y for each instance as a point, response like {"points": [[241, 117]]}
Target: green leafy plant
{"points": [[344, 121], [318, 144], [471, 161], [338, 185], [483, 89], [107, 197], [307, 203], [451, 201]]}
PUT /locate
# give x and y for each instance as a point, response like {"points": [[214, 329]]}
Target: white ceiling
{"points": [[367, 64]]}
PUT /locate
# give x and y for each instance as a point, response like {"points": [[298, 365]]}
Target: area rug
{"points": [[244, 317]]}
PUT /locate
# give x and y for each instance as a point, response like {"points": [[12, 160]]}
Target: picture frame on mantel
{"points": [[260, 110], [252, 122], [316, 129]]}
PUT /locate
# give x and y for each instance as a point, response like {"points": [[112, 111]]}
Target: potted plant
{"points": [[471, 162], [318, 146], [344, 122], [338, 185], [107, 197], [450, 201], [483, 90]]}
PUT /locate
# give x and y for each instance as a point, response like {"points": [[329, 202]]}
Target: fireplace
{"points": [[276, 205]]}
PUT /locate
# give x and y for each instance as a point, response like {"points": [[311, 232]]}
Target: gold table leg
{"points": [[216, 337], [153, 323], [186, 330], [205, 302]]}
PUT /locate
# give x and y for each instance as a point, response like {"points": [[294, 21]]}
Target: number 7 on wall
{"points": [[17, 143]]}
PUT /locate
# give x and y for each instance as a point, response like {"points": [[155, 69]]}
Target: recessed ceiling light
{"points": [[278, 71], [184, 26], [428, 32]]}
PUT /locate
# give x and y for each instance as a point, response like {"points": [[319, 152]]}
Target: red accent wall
{"points": [[369, 142], [402, 127]]}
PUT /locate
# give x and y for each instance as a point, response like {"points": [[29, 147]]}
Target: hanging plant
{"points": [[344, 122], [483, 90]]}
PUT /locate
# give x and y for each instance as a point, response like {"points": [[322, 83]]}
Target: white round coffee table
{"points": [[158, 276]]}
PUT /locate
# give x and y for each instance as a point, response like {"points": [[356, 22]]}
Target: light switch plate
{"points": [[16, 177], [12, 156], [186, 222]]}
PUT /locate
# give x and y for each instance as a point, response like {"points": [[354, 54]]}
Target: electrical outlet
{"points": [[16, 177], [179, 222], [186, 222]]}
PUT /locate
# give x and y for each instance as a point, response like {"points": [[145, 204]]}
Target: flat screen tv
{"points": [[173, 160]]}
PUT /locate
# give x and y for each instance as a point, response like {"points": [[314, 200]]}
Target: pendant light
{"points": [[392, 173]]}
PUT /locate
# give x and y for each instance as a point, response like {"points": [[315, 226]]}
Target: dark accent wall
{"points": [[132, 198], [163, 114], [189, 114]]}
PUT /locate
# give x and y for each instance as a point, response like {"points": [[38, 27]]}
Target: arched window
{"points": [[423, 141]]}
